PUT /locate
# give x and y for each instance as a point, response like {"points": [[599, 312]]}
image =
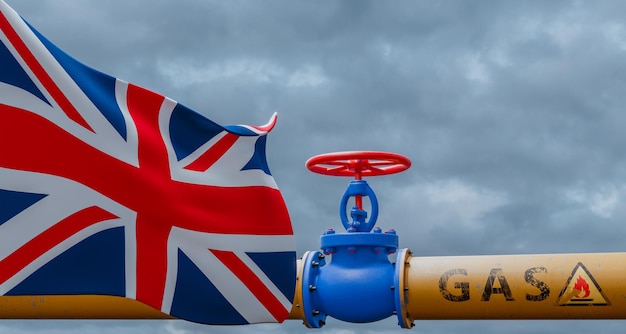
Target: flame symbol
{"points": [[582, 286]]}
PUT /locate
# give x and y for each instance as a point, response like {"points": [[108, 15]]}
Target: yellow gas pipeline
{"points": [[556, 286], [545, 286], [76, 307]]}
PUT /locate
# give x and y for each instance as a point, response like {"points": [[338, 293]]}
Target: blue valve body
{"points": [[357, 285]]}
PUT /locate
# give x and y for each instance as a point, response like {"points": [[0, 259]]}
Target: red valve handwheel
{"points": [[358, 163]]}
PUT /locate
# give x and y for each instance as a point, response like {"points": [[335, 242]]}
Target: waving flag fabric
{"points": [[107, 188]]}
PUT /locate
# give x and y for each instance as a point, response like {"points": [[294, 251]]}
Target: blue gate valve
{"points": [[357, 284]]}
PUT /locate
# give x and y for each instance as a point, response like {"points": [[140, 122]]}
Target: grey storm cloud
{"points": [[512, 113]]}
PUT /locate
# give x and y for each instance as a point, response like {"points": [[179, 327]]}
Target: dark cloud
{"points": [[511, 111]]}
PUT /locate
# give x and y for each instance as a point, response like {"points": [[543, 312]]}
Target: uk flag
{"points": [[107, 188]]}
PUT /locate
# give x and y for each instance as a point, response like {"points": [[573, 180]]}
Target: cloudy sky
{"points": [[509, 110]]}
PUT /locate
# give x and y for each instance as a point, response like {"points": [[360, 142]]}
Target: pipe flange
{"points": [[311, 263], [401, 288]]}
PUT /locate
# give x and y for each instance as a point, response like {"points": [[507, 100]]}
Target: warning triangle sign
{"points": [[582, 289]]}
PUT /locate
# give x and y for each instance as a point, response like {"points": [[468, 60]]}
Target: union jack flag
{"points": [[107, 188]]}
